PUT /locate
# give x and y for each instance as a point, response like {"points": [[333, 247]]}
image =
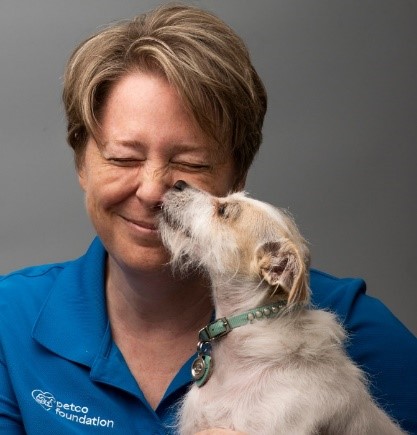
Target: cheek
{"points": [[107, 188], [225, 179], [218, 183]]}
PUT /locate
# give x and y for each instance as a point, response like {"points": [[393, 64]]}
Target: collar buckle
{"points": [[217, 329], [226, 326]]}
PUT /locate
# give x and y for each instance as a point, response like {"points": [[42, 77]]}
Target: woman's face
{"points": [[149, 141]]}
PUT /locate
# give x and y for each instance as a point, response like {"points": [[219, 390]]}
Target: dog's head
{"points": [[236, 238]]}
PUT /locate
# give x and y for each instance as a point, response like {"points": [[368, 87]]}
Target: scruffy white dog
{"points": [[270, 364]]}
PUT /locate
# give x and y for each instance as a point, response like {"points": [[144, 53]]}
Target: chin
{"points": [[142, 259], [134, 256]]}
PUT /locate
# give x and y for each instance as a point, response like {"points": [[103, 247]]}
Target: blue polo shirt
{"points": [[61, 373]]}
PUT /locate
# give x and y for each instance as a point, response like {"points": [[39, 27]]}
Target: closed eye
{"points": [[191, 167], [124, 162]]}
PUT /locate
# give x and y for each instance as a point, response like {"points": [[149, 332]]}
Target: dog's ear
{"points": [[280, 263]]}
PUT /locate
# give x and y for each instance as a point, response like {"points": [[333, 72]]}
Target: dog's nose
{"points": [[180, 185]]}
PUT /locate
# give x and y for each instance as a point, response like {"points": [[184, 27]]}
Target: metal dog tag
{"points": [[198, 367], [201, 369]]}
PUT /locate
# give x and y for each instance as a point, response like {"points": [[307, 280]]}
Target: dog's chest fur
{"points": [[287, 375]]}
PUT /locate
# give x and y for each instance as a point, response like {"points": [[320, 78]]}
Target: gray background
{"points": [[340, 136]]}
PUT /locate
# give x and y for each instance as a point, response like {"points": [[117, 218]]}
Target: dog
{"points": [[269, 364]]}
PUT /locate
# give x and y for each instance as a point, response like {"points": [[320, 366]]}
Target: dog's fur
{"points": [[283, 375]]}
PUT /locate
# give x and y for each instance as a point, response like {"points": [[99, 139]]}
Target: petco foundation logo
{"points": [[70, 411]]}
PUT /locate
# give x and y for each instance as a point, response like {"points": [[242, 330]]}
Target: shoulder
{"points": [[335, 294], [347, 298], [366, 318], [35, 278], [23, 293], [30, 273]]}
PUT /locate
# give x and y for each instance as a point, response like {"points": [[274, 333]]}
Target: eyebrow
{"points": [[179, 148], [126, 143]]}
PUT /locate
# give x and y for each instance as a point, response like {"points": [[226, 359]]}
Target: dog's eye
{"points": [[221, 210]]}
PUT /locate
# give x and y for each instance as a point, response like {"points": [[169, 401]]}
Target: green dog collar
{"points": [[202, 366], [224, 325]]}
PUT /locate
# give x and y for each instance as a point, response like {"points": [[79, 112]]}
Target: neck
{"points": [[157, 302]]}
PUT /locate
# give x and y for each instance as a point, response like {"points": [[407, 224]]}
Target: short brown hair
{"points": [[201, 56]]}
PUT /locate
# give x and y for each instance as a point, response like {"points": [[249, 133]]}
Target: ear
{"points": [[281, 264]]}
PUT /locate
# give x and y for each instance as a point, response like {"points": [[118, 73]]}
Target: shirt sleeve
{"points": [[378, 342]]}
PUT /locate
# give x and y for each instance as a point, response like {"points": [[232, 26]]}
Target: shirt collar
{"points": [[73, 320]]}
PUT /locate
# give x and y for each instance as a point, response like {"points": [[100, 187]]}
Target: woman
{"points": [[106, 342]]}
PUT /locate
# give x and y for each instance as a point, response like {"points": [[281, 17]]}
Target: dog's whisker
{"points": [[275, 289]]}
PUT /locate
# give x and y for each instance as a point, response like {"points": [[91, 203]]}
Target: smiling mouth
{"points": [[144, 225]]}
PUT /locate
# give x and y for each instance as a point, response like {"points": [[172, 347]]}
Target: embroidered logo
{"points": [[70, 411], [45, 399]]}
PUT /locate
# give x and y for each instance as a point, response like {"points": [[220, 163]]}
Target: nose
{"points": [[180, 185], [154, 182]]}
